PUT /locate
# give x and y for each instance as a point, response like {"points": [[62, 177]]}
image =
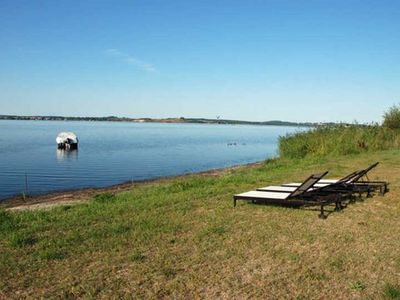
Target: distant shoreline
{"points": [[180, 120]]}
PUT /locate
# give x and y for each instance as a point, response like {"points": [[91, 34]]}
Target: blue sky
{"points": [[310, 60]]}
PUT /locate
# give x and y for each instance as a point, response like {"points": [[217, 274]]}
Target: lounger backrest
{"points": [[348, 177], [307, 184], [364, 172], [345, 180]]}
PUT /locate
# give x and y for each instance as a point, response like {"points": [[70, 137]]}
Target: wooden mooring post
{"points": [[26, 185]]}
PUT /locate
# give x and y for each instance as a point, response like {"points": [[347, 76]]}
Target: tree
{"points": [[391, 118]]}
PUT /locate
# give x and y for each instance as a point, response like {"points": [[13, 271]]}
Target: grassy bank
{"points": [[182, 238], [338, 140]]}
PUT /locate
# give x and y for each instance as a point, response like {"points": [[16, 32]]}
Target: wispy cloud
{"points": [[131, 60]]}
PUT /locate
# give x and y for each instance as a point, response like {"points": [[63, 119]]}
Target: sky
{"points": [[308, 60]]}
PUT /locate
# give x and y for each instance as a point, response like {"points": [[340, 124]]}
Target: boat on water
{"points": [[67, 140]]}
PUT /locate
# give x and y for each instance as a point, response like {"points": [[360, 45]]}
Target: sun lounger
{"points": [[356, 184], [304, 194], [353, 182], [281, 188], [325, 182], [290, 187], [362, 180]]}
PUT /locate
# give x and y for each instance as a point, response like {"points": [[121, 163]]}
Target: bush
{"points": [[391, 118]]}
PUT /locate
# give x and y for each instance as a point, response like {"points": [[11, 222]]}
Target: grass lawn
{"points": [[182, 238]]}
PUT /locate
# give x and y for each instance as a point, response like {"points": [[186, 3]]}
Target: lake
{"points": [[110, 153]]}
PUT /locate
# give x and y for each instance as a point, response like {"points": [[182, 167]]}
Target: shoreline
{"points": [[74, 196], [180, 120]]}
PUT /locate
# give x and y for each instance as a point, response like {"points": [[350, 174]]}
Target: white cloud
{"points": [[129, 59]]}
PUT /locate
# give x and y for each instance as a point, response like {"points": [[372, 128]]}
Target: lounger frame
{"points": [[302, 196]]}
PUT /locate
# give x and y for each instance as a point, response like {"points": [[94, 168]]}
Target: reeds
{"points": [[338, 140]]}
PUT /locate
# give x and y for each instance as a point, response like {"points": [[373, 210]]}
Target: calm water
{"points": [[111, 153]]}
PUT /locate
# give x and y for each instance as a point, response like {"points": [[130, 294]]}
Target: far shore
{"points": [[74, 196], [180, 120]]}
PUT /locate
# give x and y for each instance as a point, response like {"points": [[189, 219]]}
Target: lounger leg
{"points": [[322, 214], [338, 206], [234, 202], [382, 189]]}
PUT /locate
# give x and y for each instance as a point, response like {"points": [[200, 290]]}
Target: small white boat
{"points": [[67, 140]]}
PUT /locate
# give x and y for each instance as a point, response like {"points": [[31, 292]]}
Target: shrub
{"points": [[391, 118]]}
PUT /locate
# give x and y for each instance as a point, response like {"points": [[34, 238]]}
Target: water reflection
{"points": [[67, 155]]}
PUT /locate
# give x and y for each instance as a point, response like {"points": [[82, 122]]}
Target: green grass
{"points": [[338, 140], [392, 291], [20, 240], [357, 285], [182, 238]]}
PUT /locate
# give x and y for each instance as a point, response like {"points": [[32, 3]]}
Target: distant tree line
{"points": [[163, 120]]}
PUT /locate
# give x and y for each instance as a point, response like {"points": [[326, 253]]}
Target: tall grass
{"points": [[338, 140]]}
